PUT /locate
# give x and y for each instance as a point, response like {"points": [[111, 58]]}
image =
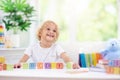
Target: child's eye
{"points": [[54, 30], [48, 29]]}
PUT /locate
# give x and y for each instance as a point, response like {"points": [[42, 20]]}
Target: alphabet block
{"points": [[59, 66], [47, 65], [39, 65]]}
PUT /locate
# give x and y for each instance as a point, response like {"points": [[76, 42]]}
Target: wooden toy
{"points": [[53, 65], [87, 60], [83, 60], [116, 70], [47, 65], [32, 65], [4, 66], [39, 65], [2, 59], [1, 67], [59, 65], [10, 67], [69, 65], [25, 65]]}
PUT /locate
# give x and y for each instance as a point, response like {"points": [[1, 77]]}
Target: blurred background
{"points": [[78, 20]]}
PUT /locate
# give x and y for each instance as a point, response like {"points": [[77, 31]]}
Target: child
{"points": [[46, 50]]}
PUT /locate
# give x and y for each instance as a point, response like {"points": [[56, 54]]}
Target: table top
{"points": [[59, 73]]}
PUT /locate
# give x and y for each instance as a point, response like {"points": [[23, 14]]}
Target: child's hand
{"points": [[76, 66], [18, 65], [71, 65]]}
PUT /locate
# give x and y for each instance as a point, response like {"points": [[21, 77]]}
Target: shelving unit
{"points": [[12, 55], [11, 49]]}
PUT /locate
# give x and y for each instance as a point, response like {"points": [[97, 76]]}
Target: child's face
{"points": [[49, 33]]}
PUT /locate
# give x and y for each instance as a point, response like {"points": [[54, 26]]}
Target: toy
{"points": [[112, 50]]}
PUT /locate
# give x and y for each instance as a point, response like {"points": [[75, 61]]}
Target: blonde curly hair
{"points": [[44, 25]]}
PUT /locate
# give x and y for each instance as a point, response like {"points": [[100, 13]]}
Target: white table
{"points": [[53, 74]]}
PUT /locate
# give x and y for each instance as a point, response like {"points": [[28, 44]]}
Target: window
{"points": [[81, 20]]}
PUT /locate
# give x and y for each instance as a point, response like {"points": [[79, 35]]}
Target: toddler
{"points": [[46, 50]]}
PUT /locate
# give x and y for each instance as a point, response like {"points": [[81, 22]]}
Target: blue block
{"points": [[32, 65], [83, 60]]}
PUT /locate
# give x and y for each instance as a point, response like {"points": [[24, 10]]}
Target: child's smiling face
{"points": [[49, 32]]}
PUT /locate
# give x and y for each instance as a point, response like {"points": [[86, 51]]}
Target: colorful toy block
{"points": [[39, 65], [87, 60], [2, 59], [47, 65], [10, 67], [116, 70], [1, 67], [53, 65], [59, 65], [32, 65], [83, 60], [4, 66], [25, 65], [69, 65]]}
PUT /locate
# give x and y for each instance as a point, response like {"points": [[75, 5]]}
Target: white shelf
{"points": [[11, 49]]}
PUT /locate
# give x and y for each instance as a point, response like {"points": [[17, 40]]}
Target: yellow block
{"points": [[116, 70], [94, 59], [53, 65], [2, 59]]}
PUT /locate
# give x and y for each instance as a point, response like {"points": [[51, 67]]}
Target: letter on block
{"points": [[32, 65], [47, 65], [59, 65], [69, 65], [39, 65], [25, 66], [53, 65]]}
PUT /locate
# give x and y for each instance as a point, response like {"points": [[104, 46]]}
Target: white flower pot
{"points": [[12, 41], [15, 39]]}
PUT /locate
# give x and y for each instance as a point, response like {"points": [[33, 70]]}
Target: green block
{"points": [[69, 65], [10, 67], [25, 66], [87, 59]]}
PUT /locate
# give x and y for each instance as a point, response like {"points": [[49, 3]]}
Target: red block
{"points": [[4, 66], [1, 67], [59, 65]]}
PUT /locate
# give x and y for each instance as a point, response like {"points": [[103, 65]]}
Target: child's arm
{"points": [[67, 59], [22, 60]]}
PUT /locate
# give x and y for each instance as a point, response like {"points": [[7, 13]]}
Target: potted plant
{"points": [[17, 16]]}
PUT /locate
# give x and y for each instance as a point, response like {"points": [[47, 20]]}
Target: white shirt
{"points": [[39, 54]]}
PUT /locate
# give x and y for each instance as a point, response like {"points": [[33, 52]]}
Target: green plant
{"points": [[18, 14]]}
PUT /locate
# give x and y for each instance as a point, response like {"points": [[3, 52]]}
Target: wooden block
{"points": [[109, 70], [1, 67], [2, 59], [25, 66], [94, 59], [53, 65], [116, 70], [83, 60], [39, 65], [47, 65], [4, 66], [10, 67], [69, 65], [32, 65], [87, 60], [59, 65]]}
